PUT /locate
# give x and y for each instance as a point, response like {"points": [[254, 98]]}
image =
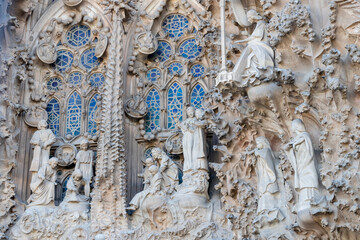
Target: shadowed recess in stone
{"points": [[153, 74], [78, 35], [152, 119], [162, 53], [175, 24], [92, 110], [175, 105], [54, 84], [73, 116], [53, 110], [189, 49], [197, 96]]}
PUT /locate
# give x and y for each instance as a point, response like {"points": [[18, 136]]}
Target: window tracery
{"points": [[178, 67], [76, 69]]}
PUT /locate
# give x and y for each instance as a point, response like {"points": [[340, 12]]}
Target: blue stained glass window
{"points": [[162, 53], [88, 59], [175, 68], [175, 24], [64, 188], [153, 74], [97, 79], [92, 110], [73, 115], [75, 78], [197, 96], [148, 153], [64, 60], [175, 104], [152, 119], [197, 70], [53, 111], [78, 35], [54, 84], [189, 49]]}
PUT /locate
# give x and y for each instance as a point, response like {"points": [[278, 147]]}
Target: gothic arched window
{"points": [[175, 104], [92, 110], [179, 68], [53, 110], [152, 119], [75, 70], [197, 96], [73, 115]]}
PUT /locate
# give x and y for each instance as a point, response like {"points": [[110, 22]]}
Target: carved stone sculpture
{"points": [[84, 162], [301, 154], [146, 175], [101, 45], [267, 185], [258, 55], [136, 107], [43, 185], [34, 115], [42, 140], [46, 52], [153, 188], [73, 187], [66, 154], [194, 143], [72, 3], [167, 168]]}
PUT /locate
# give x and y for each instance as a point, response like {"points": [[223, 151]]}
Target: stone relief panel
{"points": [[242, 119]]}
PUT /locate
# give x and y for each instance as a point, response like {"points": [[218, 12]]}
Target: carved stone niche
{"points": [[66, 154], [34, 115], [173, 143]]}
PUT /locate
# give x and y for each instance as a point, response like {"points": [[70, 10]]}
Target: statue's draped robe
{"points": [[43, 186], [257, 54], [194, 147], [266, 174], [42, 140]]}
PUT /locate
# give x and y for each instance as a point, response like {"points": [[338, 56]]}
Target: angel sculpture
{"points": [[258, 55]]}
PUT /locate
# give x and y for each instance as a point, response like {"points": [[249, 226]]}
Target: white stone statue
{"points": [[266, 175], [73, 187], [146, 175], [194, 144], [300, 152], [84, 162], [42, 140], [258, 54], [43, 184], [168, 169], [155, 186]]}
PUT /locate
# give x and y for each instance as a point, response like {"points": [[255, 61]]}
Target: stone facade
{"points": [[179, 119]]}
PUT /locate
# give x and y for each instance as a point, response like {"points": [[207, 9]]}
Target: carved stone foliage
{"points": [[269, 148]]}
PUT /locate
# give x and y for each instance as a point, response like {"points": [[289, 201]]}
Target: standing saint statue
{"points": [[301, 154], [43, 184], [194, 144], [42, 140], [84, 162], [266, 175], [257, 55]]}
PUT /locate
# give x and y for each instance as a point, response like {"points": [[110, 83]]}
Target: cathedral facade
{"points": [[179, 119]]}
